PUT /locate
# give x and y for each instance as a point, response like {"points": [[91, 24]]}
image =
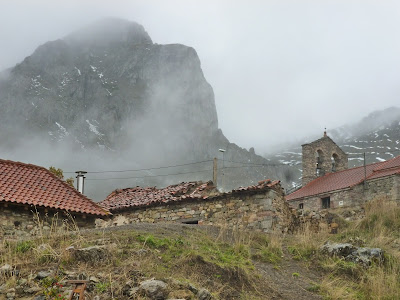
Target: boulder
{"points": [[361, 255], [366, 256], [154, 289], [6, 270], [340, 250], [203, 294], [92, 254], [42, 274]]}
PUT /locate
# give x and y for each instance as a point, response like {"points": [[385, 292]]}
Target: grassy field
{"points": [[225, 262], [380, 228]]}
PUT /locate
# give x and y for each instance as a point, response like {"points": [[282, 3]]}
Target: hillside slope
{"points": [[193, 262]]}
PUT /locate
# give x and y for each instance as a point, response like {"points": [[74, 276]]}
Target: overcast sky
{"points": [[280, 70]]}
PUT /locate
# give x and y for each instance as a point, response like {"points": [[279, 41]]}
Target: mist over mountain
{"points": [[377, 135], [106, 98]]}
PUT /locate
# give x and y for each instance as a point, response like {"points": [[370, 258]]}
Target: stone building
{"points": [[328, 183], [260, 207], [322, 157], [32, 199]]}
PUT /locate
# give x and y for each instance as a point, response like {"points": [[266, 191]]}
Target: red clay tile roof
{"points": [[185, 191], [33, 185], [347, 178]]}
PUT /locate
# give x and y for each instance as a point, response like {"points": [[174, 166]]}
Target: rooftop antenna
{"points": [[80, 181]]}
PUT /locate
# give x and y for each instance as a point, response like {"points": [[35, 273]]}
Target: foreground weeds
{"points": [[348, 280], [219, 260], [221, 263]]}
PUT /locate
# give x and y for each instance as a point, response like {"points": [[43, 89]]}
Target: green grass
{"points": [[305, 252], [314, 288], [266, 251], [102, 287], [24, 246]]}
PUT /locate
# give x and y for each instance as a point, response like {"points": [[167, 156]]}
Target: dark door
{"points": [[326, 202]]}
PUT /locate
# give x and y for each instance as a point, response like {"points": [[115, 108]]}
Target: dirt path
{"points": [[290, 279]]}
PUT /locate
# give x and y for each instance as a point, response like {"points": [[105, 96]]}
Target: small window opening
{"points": [[335, 161], [191, 222], [319, 161], [301, 205], [326, 202]]}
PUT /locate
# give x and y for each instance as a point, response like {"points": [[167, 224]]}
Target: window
{"points": [[335, 161], [191, 222], [320, 159], [301, 205], [326, 202]]}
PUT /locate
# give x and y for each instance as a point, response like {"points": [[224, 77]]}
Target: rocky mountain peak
{"points": [[107, 94], [108, 31]]}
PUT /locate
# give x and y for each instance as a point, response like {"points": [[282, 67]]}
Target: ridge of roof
{"points": [[389, 164], [324, 138], [22, 164], [318, 140]]}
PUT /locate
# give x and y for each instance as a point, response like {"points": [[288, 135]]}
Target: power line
{"points": [[247, 164], [146, 169], [149, 176], [372, 153], [255, 164], [180, 165]]}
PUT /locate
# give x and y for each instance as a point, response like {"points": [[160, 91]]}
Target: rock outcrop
{"points": [[360, 255], [111, 93]]}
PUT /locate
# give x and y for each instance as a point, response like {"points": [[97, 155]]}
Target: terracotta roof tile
{"points": [[34, 185], [189, 191], [347, 178]]}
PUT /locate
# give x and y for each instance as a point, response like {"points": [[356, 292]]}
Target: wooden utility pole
{"points": [[365, 172], [215, 169]]}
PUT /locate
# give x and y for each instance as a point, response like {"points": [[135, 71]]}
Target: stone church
{"points": [[322, 157], [327, 181]]}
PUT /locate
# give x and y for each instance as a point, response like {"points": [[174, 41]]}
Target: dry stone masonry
{"points": [[260, 207]]}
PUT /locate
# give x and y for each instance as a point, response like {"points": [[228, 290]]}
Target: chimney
{"points": [[80, 181], [325, 132]]}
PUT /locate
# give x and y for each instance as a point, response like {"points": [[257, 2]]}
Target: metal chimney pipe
{"points": [[80, 181]]}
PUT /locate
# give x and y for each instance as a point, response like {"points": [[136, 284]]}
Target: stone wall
{"points": [[386, 186], [355, 196], [267, 211], [22, 221]]}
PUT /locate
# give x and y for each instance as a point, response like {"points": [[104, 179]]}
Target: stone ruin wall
{"points": [[262, 212], [18, 222]]}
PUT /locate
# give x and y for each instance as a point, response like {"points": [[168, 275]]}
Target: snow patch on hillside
{"points": [[93, 128]]}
